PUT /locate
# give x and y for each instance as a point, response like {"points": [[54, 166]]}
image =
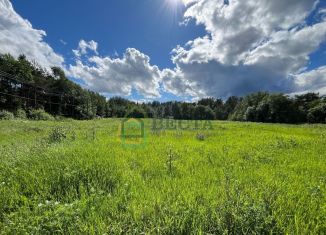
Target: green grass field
{"points": [[241, 178]]}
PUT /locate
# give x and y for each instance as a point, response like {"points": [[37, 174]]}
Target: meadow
{"points": [[73, 177]]}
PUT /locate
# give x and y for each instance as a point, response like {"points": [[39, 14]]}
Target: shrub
{"points": [[317, 114], [200, 137], [20, 114], [136, 112], [58, 135], [40, 114], [6, 115], [59, 118], [62, 118], [203, 113]]}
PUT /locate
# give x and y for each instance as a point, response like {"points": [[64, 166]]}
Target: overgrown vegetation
{"points": [[239, 178], [39, 115], [20, 114], [5, 115], [57, 135]]}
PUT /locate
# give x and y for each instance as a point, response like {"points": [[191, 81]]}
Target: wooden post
{"points": [[73, 106], [50, 104], [35, 98], [60, 105]]}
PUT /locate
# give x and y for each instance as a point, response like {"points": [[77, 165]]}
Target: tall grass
{"points": [[239, 179]]}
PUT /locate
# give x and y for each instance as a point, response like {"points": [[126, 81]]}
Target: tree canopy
{"points": [[24, 85]]}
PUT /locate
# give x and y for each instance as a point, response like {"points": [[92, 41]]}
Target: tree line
{"points": [[24, 85]]}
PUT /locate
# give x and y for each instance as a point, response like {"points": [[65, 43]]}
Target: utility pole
{"points": [[35, 98], [73, 106], [50, 104]]}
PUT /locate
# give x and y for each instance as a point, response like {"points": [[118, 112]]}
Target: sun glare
{"points": [[174, 2], [173, 8]]}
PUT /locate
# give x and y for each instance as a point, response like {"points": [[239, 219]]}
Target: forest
{"points": [[27, 88]]}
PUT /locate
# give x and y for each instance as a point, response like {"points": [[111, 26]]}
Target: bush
{"points": [[20, 114], [136, 112], [57, 135], [200, 137], [6, 115], [40, 114], [204, 113], [317, 114], [62, 118]]}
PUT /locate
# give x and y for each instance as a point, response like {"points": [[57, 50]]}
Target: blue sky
{"points": [[152, 26], [174, 49]]}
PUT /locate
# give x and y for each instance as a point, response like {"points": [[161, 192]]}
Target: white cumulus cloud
{"points": [[311, 81], [84, 46], [17, 36], [250, 46], [119, 76]]}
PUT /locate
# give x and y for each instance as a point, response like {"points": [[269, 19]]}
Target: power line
{"points": [[7, 76], [28, 89], [41, 101]]}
